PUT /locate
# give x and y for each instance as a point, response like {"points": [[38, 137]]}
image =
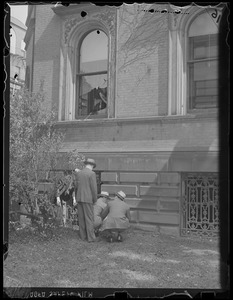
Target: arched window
{"points": [[203, 63], [12, 41], [91, 79]]}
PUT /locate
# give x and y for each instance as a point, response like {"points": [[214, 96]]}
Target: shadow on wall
{"points": [[161, 192]]}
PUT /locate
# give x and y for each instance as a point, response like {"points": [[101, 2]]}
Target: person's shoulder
{"points": [[84, 171], [88, 172], [92, 172], [126, 205], [81, 173]]}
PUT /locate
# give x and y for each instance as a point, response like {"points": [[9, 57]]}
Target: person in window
{"points": [[100, 102], [117, 217], [100, 210]]}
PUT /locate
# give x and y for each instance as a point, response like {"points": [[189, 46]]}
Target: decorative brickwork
{"points": [[107, 17]]}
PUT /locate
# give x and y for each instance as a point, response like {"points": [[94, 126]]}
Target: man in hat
{"points": [[99, 210], [86, 197], [118, 217]]}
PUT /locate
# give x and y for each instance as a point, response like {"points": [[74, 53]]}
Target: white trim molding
{"points": [[178, 46]]}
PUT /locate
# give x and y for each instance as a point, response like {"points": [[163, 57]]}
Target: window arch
{"points": [[202, 62], [70, 82], [92, 75]]}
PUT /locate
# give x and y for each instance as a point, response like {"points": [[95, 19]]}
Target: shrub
{"points": [[35, 142]]}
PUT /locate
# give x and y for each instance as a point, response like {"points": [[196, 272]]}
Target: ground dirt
{"points": [[143, 260]]}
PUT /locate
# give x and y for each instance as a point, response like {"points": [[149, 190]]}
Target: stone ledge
{"points": [[156, 119]]}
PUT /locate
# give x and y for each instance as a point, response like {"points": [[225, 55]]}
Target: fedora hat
{"points": [[104, 194], [90, 161], [121, 195]]}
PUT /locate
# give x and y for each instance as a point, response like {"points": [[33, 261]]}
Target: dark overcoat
{"points": [[86, 186]]}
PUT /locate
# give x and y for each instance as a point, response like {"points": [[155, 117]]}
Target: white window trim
{"points": [[190, 110], [78, 45], [68, 69], [178, 55]]}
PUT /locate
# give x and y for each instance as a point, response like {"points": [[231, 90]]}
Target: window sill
{"points": [[205, 113], [92, 117], [189, 117]]}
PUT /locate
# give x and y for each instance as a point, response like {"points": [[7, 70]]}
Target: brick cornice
{"points": [[72, 9]]}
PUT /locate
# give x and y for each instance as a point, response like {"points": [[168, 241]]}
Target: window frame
{"points": [[79, 75], [178, 76], [68, 67], [190, 63]]}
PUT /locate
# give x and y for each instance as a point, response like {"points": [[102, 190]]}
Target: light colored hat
{"points": [[121, 195], [104, 194], [90, 161]]}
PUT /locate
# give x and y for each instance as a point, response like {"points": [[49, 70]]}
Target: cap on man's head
{"points": [[121, 195], [90, 161]]}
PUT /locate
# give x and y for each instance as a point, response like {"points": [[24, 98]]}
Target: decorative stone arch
{"points": [[74, 30]]}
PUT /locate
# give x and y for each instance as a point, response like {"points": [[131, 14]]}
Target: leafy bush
{"points": [[35, 142]]}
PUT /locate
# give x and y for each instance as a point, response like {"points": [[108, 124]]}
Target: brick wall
{"points": [[154, 198], [142, 62], [47, 53], [142, 59]]}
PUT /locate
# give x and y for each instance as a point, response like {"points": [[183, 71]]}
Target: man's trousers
{"points": [[86, 221]]}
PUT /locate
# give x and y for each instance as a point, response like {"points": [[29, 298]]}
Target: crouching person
{"points": [[100, 210], [117, 219]]}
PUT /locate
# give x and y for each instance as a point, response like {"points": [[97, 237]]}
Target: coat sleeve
{"points": [[93, 185], [105, 212], [128, 214]]}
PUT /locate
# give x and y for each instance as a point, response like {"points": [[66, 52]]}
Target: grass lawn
{"points": [[143, 260]]}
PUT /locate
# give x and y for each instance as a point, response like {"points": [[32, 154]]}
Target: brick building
{"points": [[136, 88], [17, 54]]}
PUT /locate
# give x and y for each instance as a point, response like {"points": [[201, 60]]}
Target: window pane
{"points": [[203, 74], [203, 84], [94, 52], [208, 87], [93, 95], [206, 70], [203, 25], [204, 47]]}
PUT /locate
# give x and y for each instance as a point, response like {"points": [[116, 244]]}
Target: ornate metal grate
{"points": [[200, 204]]}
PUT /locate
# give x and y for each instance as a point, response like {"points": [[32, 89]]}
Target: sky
{"points": [[19, 12]]}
